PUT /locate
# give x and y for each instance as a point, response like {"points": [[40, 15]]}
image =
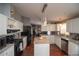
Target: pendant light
{"points": [[44, 19], [45, 22], [44, 15]]}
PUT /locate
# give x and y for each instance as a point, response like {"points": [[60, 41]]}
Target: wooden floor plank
{"points": [[54, 51]]}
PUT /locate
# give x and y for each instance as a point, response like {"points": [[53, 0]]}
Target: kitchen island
{"points": [[41, 46]]}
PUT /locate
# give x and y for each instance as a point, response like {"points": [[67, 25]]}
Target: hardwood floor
{"points": [[29, 51], [54, 51]]}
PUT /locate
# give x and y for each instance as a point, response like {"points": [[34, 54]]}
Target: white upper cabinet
{"points": [[73, 26], [58, 41], [15, 24], [49, 27], [9, 23], [20, 25], [43, 28], [3, 24]]}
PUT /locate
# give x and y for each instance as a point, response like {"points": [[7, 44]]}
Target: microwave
{"points": [[2, 42]]}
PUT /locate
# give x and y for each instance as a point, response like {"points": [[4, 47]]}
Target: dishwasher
{"points": [[64, 45]]}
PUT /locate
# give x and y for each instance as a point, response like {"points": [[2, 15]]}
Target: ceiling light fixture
{"points": [[44, 16], [45, 21]]}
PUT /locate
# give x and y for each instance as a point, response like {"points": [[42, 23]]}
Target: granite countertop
{"points": [[61, 36], [9, 34], [41, 40], [74, 41], [13, 33], [66, 37], [5, 48], [69, 39]]}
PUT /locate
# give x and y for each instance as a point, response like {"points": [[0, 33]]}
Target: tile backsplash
{"points": [[74, 36]]}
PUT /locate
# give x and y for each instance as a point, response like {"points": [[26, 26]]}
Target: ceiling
{"points": [[54, 12]]}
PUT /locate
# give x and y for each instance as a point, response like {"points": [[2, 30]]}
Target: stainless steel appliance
{"points": [[2, 42], [64, 45], [18, 47], [10, 39]]}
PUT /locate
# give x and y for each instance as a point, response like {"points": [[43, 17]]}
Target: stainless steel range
{"points": [[64, 45]]}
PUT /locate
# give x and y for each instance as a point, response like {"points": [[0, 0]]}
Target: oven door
{"points": [[64, 45], [2, 42]]}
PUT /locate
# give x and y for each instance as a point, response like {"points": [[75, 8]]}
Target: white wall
{"points": [[5, 9], [28, 21], [73, 25], [16, 14], [35, 21]]}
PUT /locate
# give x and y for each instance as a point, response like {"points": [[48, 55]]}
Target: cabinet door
{"points": [[51, 27], [55, 39], [72, 25], [68, 26], [52, 39], [20, 26], [44, 28], [75, 24], [73, 49], [49, 39], [3, 24], [41, 49], [58, 41], [16, 24], [2, 54], [10, 51]]}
